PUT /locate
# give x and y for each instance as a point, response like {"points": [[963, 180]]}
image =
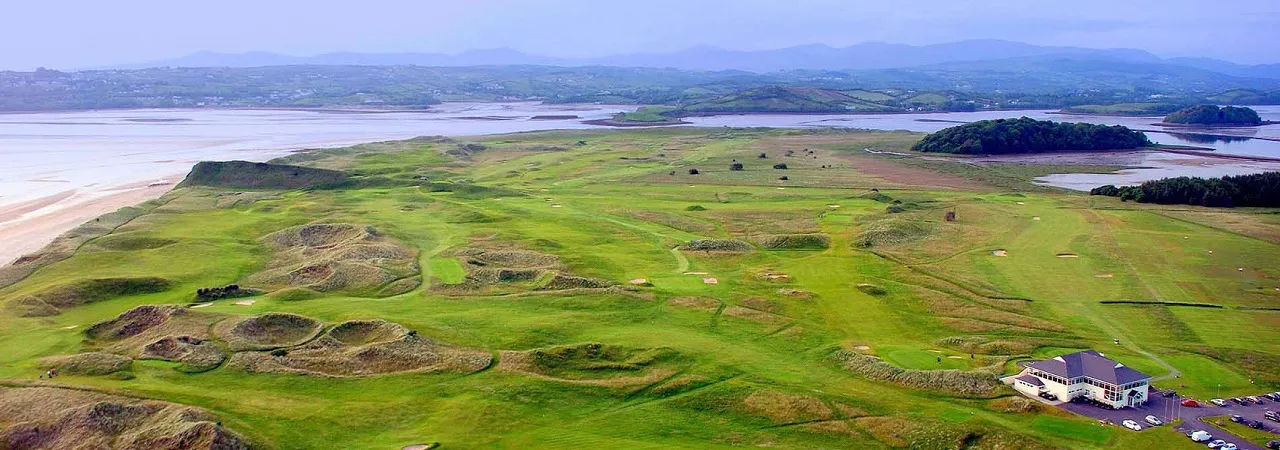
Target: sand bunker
{"points": [[639, 282], [52, 418], [999, 253], [1035, 218], [709, 280], [695, 273], [245, 302], [861, 348], [1068, 255], [1104, 275], [200, 305], [268, 331], [337, 257], [363, 348]]}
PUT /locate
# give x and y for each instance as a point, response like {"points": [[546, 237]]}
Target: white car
{"points": [[1200, 436], [1229, 446], [1154, 421], [1217, 444], [1219, 402], [1131, 425]]}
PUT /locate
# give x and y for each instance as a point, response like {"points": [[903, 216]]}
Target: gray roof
{"points": [[1091, 364], [1030, 380]]}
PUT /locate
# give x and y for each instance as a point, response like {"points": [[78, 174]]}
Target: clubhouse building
{"points": [[1086, 374]]}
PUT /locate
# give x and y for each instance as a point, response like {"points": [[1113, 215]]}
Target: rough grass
{"points": [[48, 418], [244, 174], [891, 231], [194, 354], [129, 242], [91, 363], [268, 331], [953, 382], [363, 348], [795, 242], [717, 246], [52, 300], [594, 364], [338, 257], [66, 244], [134, 322]]}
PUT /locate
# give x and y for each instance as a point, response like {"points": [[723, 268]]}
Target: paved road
{"points": [[1167, 408]]}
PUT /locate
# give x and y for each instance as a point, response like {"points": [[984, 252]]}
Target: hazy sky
{"points": [[87, 33]]}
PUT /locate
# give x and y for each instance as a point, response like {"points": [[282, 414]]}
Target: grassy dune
{"points": [[716, 348]]}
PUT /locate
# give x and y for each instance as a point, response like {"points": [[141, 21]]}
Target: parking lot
{"points": [[1168, 408]]}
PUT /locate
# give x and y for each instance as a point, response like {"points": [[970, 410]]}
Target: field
{"points": [[584, 289]]}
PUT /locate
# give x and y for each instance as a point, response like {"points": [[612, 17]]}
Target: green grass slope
{"points": [[861, 329]]}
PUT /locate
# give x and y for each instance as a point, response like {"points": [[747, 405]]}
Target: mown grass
{"points": [[611, 209]]}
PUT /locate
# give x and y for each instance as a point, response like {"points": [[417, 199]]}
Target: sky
{"points": [[70, 34]]}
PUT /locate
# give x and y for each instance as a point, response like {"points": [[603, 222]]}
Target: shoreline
{"points": [[31, 225]]}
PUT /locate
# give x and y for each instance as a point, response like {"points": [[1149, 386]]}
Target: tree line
{"points": [[1213, 115], [1026, 135], [1258, 190]]}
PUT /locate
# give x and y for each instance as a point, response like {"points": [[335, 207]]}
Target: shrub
{"points": [[736, 166], [695, 208], [693, 172], [780, 166]]}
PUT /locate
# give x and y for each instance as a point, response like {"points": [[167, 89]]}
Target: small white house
{"points": [[1086, 374]]}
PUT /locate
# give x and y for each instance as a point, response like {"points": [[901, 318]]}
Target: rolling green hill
{"points": [[583, 289]]}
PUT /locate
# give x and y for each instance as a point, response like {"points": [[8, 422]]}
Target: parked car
{"points": [[1154, 421], [1272, 415], [1049, 396], [1131, 425], [1273, 445], [1168, 393], [1191, 403], [1219, 402], [1255, 424], [1237, 418], [1237, 400], [1253, 399], [1217, 443], [1200, 436], [1229, 446], [1272, 396]]}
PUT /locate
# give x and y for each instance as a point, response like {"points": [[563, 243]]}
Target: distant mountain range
{"points": [[867, 56]]}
